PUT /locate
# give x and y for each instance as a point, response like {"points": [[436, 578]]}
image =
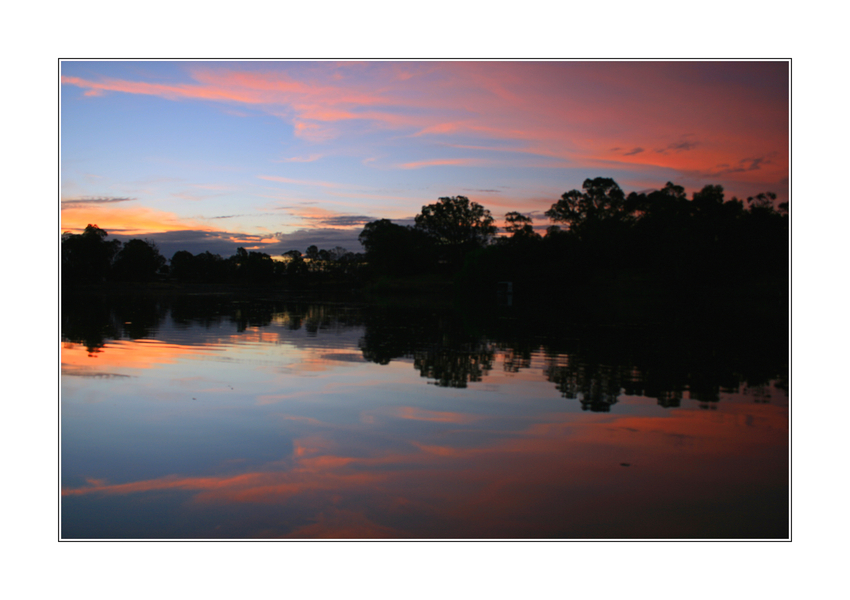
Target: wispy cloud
{"points": [[743, 166], [71, 202], [346, 221], [213, 186], [211, 89], [438, 162], [328, 184], [633, 151], [322, 237], [321, 217], [680, 146], [440, 128], [309, 104], [299, 159]]}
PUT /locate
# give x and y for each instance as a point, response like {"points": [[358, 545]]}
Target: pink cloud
{"points": [[441, 128], [573, 113], [301, 159]]}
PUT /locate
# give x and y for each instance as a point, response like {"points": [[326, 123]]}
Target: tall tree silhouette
{"points": [[87, 257], [457, 224]]}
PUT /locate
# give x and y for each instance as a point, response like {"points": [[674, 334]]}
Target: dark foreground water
{"points": [[216, 418]]}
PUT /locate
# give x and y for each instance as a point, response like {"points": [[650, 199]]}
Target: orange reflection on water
{"points": [[309, 474], [121, 355], [418, 414]]}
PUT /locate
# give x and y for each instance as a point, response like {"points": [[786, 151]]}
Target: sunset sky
{"points": [[275, 156]]}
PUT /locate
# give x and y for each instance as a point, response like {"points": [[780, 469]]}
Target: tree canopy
{"points": [[87, 257], [601, 200], [396, 249], [457, 221], [138, 260]]}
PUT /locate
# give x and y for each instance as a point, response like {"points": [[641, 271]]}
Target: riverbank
{"points": [[605, 299]]}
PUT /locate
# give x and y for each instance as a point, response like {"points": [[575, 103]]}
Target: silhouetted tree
{"points": [[182, 265], [138, 260], [553, 230], [709, 198], [763, 202], [253, 267], [601, 200], [87, 257], [337, 253], [666, 202], [212, 268], [457, 224], [294, 264], [394, 249], [519, 226]]}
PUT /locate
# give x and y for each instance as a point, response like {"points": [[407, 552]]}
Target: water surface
{"points": [[194, 418]]}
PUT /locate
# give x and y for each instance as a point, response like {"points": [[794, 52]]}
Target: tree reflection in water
{"points": [[597, 387], [454, 367], [515, 359], [457, 347]]}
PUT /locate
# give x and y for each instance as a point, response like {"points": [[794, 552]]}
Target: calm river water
{"points": [[197, 417]]}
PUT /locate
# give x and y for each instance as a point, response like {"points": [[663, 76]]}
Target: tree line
{"points": [[661, 241], [89, 258], [595, 234]]}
